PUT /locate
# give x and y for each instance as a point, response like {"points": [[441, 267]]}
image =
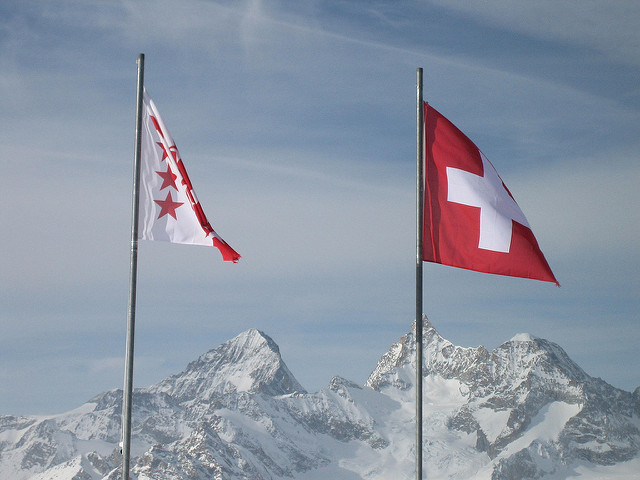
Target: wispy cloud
{"points": [[607, 27], [297, 126]]}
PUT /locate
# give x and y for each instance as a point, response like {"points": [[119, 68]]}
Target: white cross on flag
{"points": [[169, 208], [471, 220]]}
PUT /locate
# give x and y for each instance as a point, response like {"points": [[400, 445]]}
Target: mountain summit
{"points": [[250, 362], [522, 411], [526, 382]]}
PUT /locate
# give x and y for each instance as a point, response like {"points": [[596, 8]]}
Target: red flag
{"points": [[169, 208], [471, 220]]}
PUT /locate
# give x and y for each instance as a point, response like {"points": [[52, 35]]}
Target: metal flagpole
{"points": [[127, 394], [419, 229]]}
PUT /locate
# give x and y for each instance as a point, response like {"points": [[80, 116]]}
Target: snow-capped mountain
{"points": [[524, 410]]}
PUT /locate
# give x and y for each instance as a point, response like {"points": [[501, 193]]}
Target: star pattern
{"points": [[168, 206], [172, 149], [168, 179]]}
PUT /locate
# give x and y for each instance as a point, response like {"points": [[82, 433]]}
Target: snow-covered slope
{"points": [[524, 410]]}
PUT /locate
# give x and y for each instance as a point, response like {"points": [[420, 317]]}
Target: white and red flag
{"points": [[471, 220], [169, 209]]}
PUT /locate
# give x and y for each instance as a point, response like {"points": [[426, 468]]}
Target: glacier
{"points": [[522, 411]]}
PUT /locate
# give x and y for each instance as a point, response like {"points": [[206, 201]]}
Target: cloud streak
{"points": [[606, 27], [297, 126]]}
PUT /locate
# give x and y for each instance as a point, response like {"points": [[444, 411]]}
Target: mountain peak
{"points": [[441, 357], [522, 356], [531, 412], [244, 345], [523, 337], [525, 355], [250, 362]]}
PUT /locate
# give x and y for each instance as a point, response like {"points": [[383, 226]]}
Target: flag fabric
{"points": [[471, 220], [169, 210]]}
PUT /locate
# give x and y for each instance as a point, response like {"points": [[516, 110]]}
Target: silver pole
{"points": [[127, 394], [419, 229]]}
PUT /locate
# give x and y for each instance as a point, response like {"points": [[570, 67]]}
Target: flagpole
{"points": [[127, 394], [419, 231]]}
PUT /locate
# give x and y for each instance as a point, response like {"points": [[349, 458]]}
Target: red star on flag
{"points": [[159, 158], [164, 150], [168, 179], [168, 206], [172, 149]]}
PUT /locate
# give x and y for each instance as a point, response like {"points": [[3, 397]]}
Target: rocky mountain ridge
{"points": [[523, 410]]}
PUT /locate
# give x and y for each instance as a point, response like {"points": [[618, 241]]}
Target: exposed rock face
{"points": [[524, 410], [523, 383], [249, 363]]}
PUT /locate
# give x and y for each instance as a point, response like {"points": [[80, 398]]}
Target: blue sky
{"points": [[296, 122]]}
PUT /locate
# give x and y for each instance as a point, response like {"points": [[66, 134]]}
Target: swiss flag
{"points": [[471, 220], [169, 209]]}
